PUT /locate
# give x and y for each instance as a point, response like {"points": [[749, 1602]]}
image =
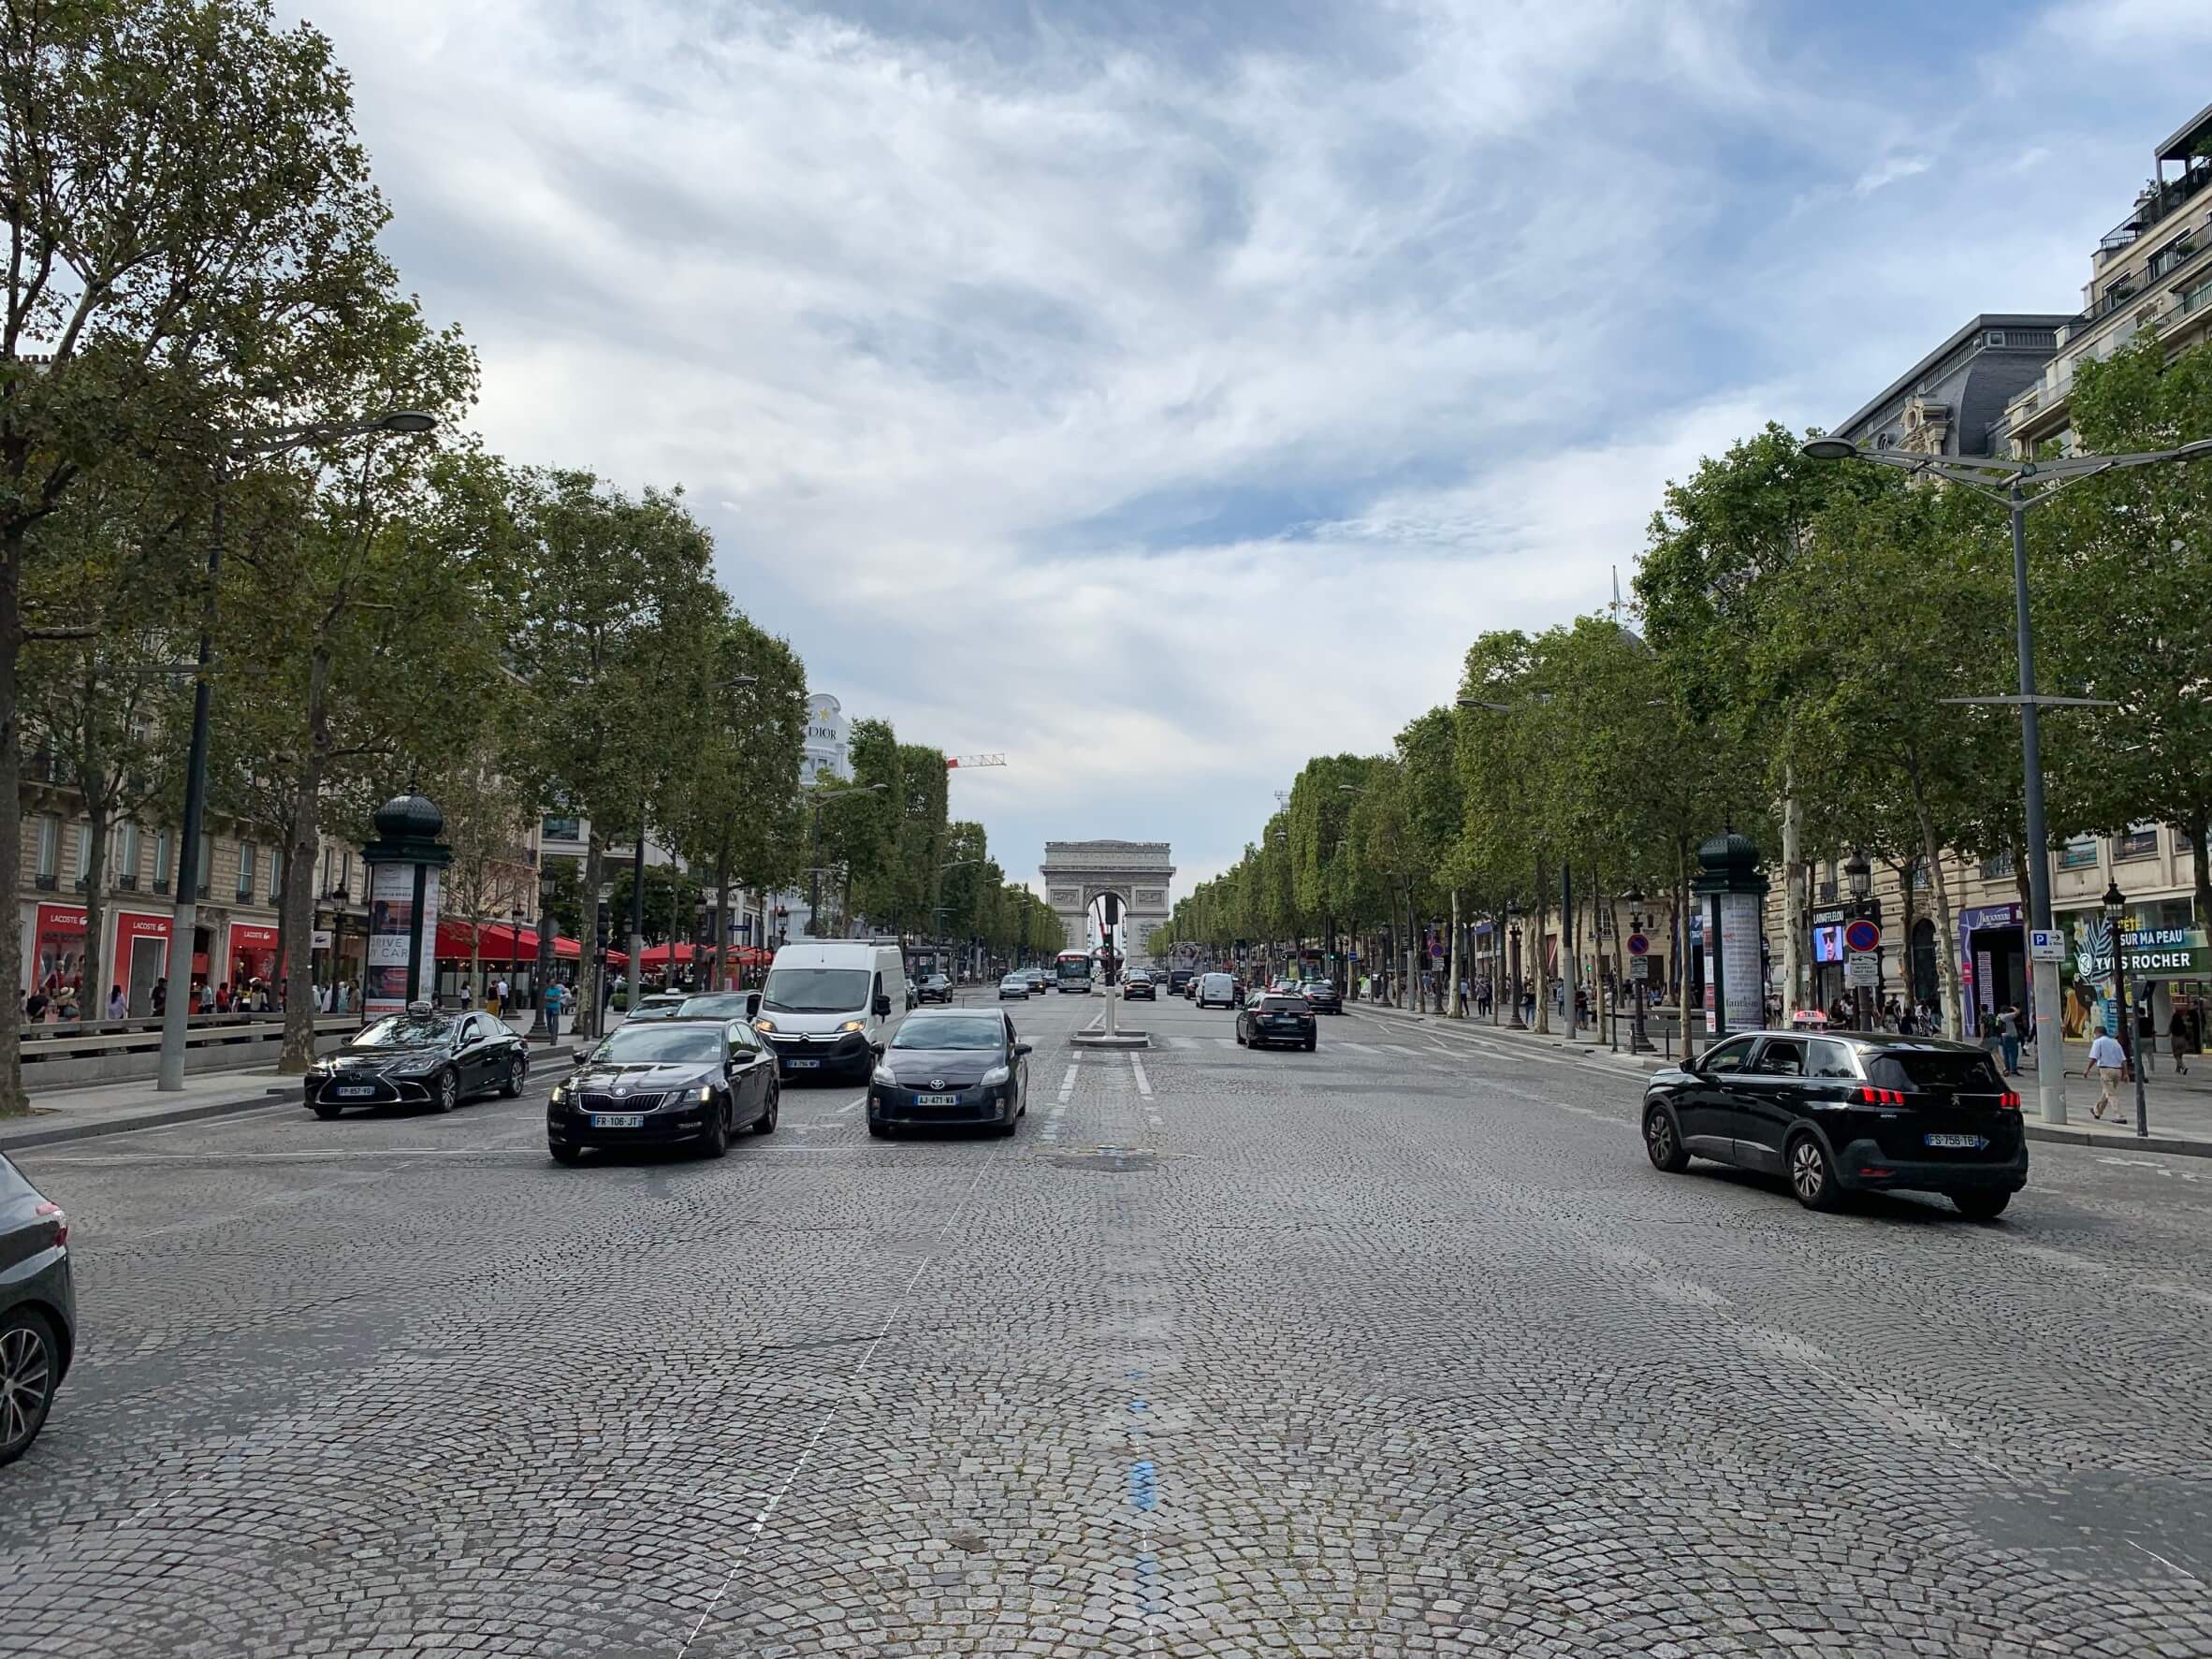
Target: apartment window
{"points": [[276, 874], [2079, 853], [1828, 882], [126, 855], [165, 856], [83, 854], [1998, 867], [50, 850], [2141, 841], [246, 869], [559, 829]]}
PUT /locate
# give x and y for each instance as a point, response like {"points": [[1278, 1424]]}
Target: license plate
{"points": [[1971, 1141], [355, 1090], [617, 1120], [937, 1100], [804, 1064]]}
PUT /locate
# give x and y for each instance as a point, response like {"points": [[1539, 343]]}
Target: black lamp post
{"points": [[1637, 1043], [2116, 906], [1513, 936], [1858, 876], [516, 917], [544, 974]]}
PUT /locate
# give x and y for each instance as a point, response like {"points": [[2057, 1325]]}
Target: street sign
{"points": [[1638, 945], [1639, 967], [1862, 968], [2046, 944], [1861, 934]]}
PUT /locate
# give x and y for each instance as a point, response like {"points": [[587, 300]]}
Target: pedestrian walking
{"points": [[2008, 1036], [2177, 1040], [553, 1000], [2107, 1060], [117, 1007], [500, 996], [161, 998]]}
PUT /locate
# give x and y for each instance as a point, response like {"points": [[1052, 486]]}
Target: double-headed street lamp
{"points": [[2022, 485], [184, 917]]}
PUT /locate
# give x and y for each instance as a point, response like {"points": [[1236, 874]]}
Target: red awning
{"points": [[496, 941], [657, 955]]}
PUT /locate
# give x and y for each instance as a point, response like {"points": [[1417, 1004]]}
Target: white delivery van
{"points": [[828, 1006]]}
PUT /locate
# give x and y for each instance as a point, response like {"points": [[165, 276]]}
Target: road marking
{"points": [[1358, 1048], [867, 1358], [852, 1106], [1143, 1083], [2161, 1560]]}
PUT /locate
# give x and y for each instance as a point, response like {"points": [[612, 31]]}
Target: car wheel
{"points": [[565, 1155], [880, 1132], [766, 1126], [1811, 1177], [1007, 1128], [716, 1138], [446, 1095], [327, 1113], [30, 1370], [517, 1069], [1982, 1206], [1241, 1043], [1309, 1045], [1663, 1143]]}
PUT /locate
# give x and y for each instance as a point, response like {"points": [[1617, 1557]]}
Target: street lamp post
{"points": [[2022, 485], [545, 973], [2116, 909], [1513, 936], [1638, 1043], [821, 799], [1858, 876], [516, 916], [184, 917]]}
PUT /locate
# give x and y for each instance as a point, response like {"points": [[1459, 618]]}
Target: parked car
{"points": [[37, 1309], [1273, 1017], [1217, 990], [421, 1057], [961, 1066], [1014, 987], [1139, 985], [1842, 1113], [936, 988], [1323, 996], [668, 1081], [720, 1005]]}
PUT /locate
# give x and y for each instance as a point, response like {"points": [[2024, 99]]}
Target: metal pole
{"points": [[814, 877], [636, 978], [184, 913], [2142, 1110], [2050, 1042]]}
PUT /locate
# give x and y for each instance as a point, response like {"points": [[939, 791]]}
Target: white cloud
{"points": [[1889, 170]]}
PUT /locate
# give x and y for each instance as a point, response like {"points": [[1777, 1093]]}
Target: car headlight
{"points": [[561, 1094], [852, 1026], [764, 1025], [883, 1075], [418, 1067], [705, 1093], [996, 1075]]}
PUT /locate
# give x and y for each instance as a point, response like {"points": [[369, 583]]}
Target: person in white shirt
{"points": [[2107, 1059]]}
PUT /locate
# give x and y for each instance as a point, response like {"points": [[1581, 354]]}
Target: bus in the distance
{"points": [[1073, 971]]}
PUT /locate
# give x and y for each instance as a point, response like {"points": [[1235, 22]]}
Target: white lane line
{"points": [[852, 1106], [1143, 1083], [1226, 1043], [1067, 1083], [867, 1358]]}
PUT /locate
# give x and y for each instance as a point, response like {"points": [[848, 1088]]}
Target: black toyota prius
{"points": [[948, 1066], [665, 1081]]}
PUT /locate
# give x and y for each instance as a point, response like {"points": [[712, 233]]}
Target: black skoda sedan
{"points": [[37, 1309], [662, 1083], [1322, 997], [959, 1066], [1842, 1113], [1269, 1017], [421, 1057]]}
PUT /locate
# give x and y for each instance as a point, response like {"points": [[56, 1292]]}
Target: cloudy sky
{"points": [[1164, 391]]}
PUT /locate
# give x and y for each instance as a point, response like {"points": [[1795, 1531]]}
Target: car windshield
{"points": [[1324, 986], [940, 1032], [1014, 979], [1281, 1004], [814, 990], [406, 1031], [936, 978], [720, 1005], [1933, 1068], [1218, 981], [663, 1045]]}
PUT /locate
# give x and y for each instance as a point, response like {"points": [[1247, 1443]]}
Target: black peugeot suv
{"points": [[1845, 1112]]}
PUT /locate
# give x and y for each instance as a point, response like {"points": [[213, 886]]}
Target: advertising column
{"points": [[391, 938], [405, 862], [1734, 892]]}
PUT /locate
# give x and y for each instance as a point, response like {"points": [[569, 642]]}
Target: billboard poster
{"points": [[1740, 929], [252, 955], [428, 924], [59, 961], [391, 934]]}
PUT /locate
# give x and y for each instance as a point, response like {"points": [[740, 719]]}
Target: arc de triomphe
{"points": [[1076, 872]]}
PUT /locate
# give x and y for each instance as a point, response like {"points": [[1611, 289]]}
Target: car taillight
{"points": [[2008, 1101], [1873, 1097], [61, 1222]]}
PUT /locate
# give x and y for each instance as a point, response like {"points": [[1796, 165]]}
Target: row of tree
{"points": [[1803, 626]]}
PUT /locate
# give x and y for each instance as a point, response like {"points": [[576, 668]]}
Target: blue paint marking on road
{"points": [[1144, 1486], [1140, 1406], [1148, 1582]]}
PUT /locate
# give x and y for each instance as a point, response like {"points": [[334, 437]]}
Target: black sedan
{"points": [[1266, 1019], [962, 1067], [1139, 984], [1843, 1112], [1322, 997], [664, 1082], [421, 1057], [37, 1309], [936, 988]]}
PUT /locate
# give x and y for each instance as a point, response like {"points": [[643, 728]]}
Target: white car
{"points": [[1014, 987]]}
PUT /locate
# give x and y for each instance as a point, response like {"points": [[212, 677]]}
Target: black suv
{"points": [[1846, 1112], [936, 988], [1177, 979]]}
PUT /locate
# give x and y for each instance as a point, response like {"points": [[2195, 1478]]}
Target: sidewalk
{"points": [[2179, 1109], [112, 1108]]}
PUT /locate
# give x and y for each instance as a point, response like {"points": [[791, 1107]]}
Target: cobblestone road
{"points": [[1400, 1347]]}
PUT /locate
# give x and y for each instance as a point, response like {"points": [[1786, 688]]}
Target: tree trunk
{"points": [[2199, 827], [299, 913], [1454, 965], [12, 1102], [1946, 945], [594, 963], [1793, 894], [94, 1003], [1536, 975], [1597, 951], [722, 918], [477, 964], [1682, 958]]}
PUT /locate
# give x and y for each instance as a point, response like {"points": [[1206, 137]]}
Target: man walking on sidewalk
{"points": [[2107, 1059]]}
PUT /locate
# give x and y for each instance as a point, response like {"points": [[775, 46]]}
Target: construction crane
{"points": [[969, 763]]}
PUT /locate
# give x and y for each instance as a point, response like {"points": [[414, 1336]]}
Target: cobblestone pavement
{"points": [[1399, 1348]]}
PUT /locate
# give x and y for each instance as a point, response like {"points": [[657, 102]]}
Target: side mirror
{"points": [[883, 1006], [1021, 1048]]}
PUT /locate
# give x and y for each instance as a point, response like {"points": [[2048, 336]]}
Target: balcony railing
{"points": [[46, 881], [127, 882]]}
